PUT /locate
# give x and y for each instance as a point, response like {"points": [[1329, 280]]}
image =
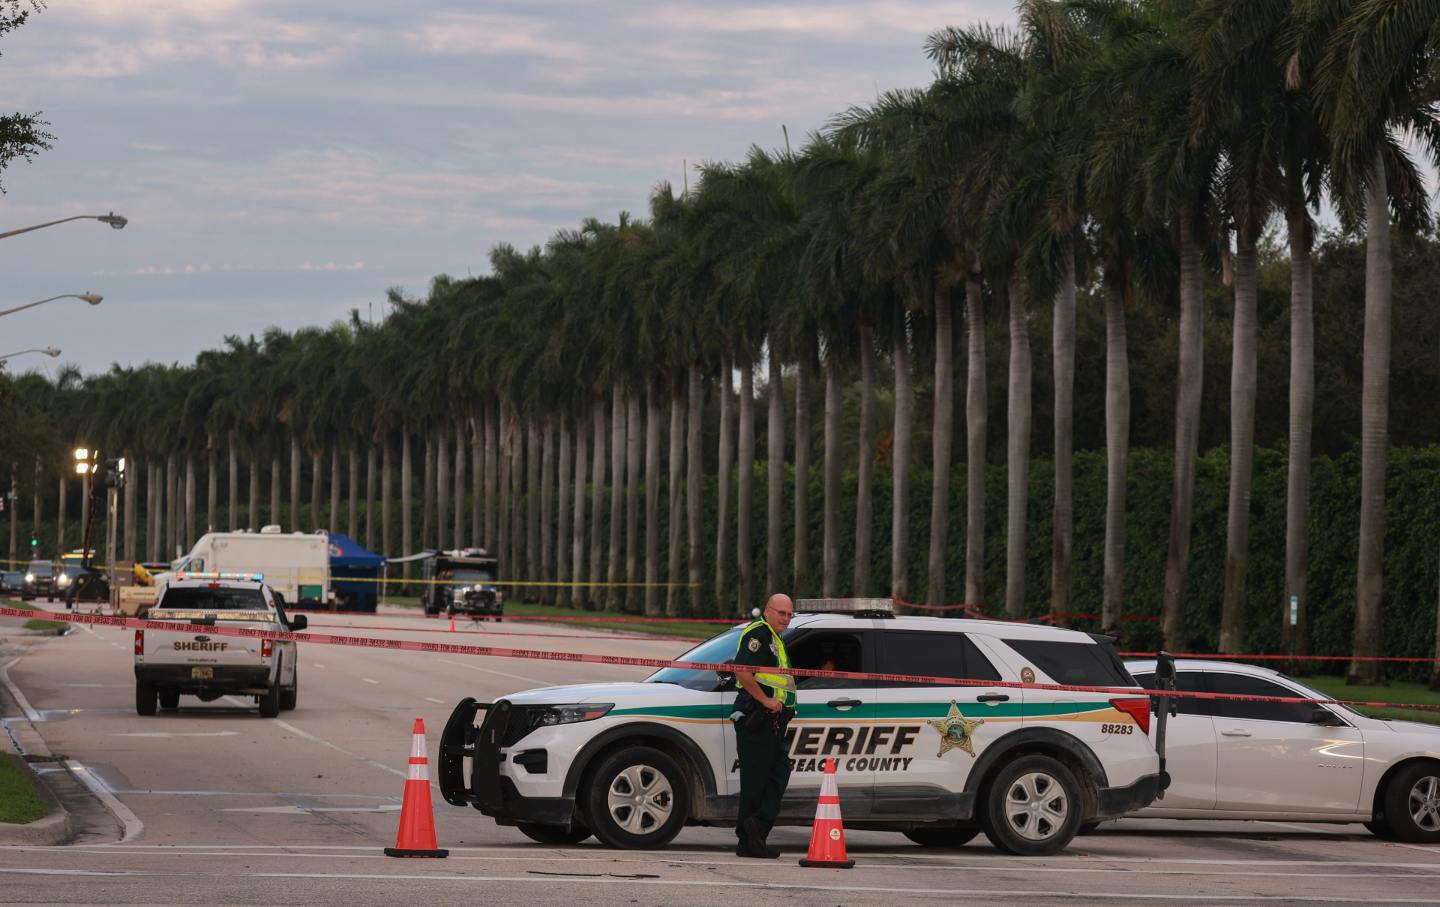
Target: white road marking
{"points": [[339, 749], [131, 822], [70, 872], [1423, 848], [316, 664], [167, 734], [370, 680], [97, 686], [461, 664], [434, 700], [15, 693], [306, 810]]}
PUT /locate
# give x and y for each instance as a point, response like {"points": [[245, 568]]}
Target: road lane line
{"points": [[461, 664], [434, 700], [370, 680], [131, 823]]}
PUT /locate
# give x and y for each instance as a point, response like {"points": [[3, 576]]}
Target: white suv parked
{"points": [[1230, 759], [633, 763]]}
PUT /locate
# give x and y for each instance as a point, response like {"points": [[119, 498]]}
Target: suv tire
{"points": [[169, 700], [1412, 804], [943, 837], [1032, 807], [639, 798], [553, 834], [145, 695]]}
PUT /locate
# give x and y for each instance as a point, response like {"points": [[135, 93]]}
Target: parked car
{"points": [[1231, 759], [39, 580], [12, 582]]}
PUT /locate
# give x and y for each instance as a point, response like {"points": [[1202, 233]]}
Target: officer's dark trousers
{"points": [[764, 772]]}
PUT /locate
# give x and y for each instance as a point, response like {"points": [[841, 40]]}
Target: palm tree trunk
{"points": [[189, 501], [232, 462], [652, 497], [477, 478], [387, 493], [427, 496], [532, 504], [745, 503], [1187, 430], [508, 562], [574, 592], [900, 461], [677, 500], [295, 524], [976, 419], [1062, 541], [172, 506], [801, 574], [1302, 419], [317, 488], [1018, 451], [275, 485], [1242, 442], [352, 515], [442, 486], [566, 463], [695, 406], [632, 502], [370, 496], [830, 579], [865, 468], [492, 467], [212, 486], [333, 524], [132, 478], [774, 472], [942, 437], [1374, 429], [1117, 445], [60, 517], [457, 528], [597, 502], [722, 502], [547, 510], [407, 497], [152, 512], [252, 511], [613, 599]]}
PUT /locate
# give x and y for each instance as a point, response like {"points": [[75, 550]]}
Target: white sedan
{"points": [[1231, 759]]}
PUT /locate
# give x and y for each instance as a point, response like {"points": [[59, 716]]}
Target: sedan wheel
{"points": [[1412, 804]]}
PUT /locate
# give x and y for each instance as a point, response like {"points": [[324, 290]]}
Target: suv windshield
{"points": [[39, 568], [205, 598], [720, 649], [1091, 664], [474, 576]]}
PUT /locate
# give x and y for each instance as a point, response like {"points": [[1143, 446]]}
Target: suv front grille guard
{"points": [[462, 740]]}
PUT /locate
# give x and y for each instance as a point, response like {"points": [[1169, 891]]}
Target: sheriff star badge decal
{"points": [[955, 731]]}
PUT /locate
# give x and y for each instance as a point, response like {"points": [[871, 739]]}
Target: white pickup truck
{"points": [[194, 662]]}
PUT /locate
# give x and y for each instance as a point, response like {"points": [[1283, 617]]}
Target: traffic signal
{"points": [[115, 472], [34, 540]]}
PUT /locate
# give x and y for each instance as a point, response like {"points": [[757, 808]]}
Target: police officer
{"points": [[762, 710]]}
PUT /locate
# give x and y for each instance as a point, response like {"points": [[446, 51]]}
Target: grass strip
{"points": [[1400, 693], [20, 799], [36, 623]]}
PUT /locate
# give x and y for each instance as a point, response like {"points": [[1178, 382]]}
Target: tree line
{"points": [[1132, 152]]}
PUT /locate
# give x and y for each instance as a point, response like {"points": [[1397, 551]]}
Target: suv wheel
{"points": [[1412, 804], [553, 834], [145, 695], [638, 799], [1032, 807], [943, 837]]}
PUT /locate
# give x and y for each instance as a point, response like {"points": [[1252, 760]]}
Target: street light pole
{"points": [[113, 219], [50, 351], [92, 298]]}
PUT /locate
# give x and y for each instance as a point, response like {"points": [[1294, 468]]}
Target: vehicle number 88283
{"points": [[1117, 728]]}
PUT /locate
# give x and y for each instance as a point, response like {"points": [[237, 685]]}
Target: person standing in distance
{"points": [[762, 711]]}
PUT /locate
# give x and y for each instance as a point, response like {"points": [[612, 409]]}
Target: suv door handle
{"points": [[843, 703], [992, 697], [1235, 732]]}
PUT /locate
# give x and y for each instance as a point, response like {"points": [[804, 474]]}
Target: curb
{"points": [[54, 829]]}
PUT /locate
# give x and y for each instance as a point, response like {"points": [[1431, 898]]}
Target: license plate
{"points": [[202, 673]]}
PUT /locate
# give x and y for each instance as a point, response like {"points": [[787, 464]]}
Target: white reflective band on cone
{"points": [[419, 771]]}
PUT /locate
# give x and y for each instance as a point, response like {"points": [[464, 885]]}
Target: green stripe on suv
{"points": [[881, 710]]}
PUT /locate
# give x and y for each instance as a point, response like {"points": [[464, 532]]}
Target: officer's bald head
{"points": [[779, 609]]}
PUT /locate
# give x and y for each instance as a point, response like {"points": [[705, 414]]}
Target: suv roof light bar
{"points": [[855, 607], [243, 577]]}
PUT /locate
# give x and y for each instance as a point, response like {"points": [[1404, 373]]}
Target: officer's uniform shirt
{"points": [[757, 650]]}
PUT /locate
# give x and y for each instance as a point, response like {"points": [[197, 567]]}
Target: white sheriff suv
{"points": [[1298, 762], [191, 661], [632, 763]]}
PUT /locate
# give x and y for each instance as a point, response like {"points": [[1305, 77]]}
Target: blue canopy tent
{"points": [[353, 572]]}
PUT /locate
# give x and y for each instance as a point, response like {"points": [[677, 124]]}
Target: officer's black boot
{"points": [[752, 841]]}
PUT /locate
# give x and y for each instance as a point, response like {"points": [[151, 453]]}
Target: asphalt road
{"points": [[219, 806]]}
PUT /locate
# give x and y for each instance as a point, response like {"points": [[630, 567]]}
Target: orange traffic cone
{"points": [[416, 837], [827, 838]]}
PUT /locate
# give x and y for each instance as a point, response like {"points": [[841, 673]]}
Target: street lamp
{"points": [[114, 220], [92, 298], [50, 351]]}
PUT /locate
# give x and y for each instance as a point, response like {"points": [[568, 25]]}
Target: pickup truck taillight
{"points": [[266, 646], [139, 642]]}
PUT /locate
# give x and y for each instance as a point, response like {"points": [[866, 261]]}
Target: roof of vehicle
{"points": [[237, 580], [1202, 664], [999, 629]]}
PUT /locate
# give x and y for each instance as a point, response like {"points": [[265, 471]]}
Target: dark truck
{"points": [[462, 583]]}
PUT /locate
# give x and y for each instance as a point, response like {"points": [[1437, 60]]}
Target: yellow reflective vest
{"points": [[781, 686]]}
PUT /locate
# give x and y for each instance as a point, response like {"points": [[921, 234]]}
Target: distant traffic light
{"points": [[34, 540]]}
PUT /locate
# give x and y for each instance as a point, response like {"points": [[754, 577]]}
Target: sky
{"points": [[282, 163]]}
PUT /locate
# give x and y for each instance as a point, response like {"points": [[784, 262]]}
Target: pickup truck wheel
{"points": [[270, 701], [1032, 807], [1412, 804], [943, 837], [553, 834], [291, 694], [169, 700], [145, 695], [638, 799]]}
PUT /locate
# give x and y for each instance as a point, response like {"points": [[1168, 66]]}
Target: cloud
{"points": [[849, 20], [449, 34]]}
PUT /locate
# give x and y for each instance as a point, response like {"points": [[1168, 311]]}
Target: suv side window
{"points": [[934, 654], [1243, 685], [827, 650], [1187, 681], [1082, 663]]}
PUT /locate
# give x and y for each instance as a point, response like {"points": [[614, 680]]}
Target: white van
{"points": [[295, 564]]}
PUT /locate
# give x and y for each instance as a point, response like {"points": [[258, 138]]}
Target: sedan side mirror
{"points": [[1325, 718]]}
